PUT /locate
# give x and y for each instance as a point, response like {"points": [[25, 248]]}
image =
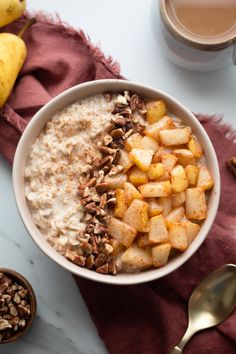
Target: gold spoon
{"points": [[210, 303]]}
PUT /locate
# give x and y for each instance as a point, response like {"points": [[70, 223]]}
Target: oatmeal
{"points": [[115, 183], [61, 153]]}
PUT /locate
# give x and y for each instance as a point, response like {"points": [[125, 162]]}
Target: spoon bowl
{"points": [[211, 302]]}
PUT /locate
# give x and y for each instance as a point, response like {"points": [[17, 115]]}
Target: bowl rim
{"points": [[129, 278], [33, 301]]}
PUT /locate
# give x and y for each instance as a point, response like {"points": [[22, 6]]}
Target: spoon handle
{"points": [[188, 334]]}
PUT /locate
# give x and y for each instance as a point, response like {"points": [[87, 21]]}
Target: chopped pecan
{"points": [[117, 133], [116, 157], [22, 323], [103, 269], [107, 140], [102, 187], [100, 260], [4, 324], [75, 258], [106, 161], [102, 229], [112, 269], [127, 111], [106, 150], [115, 170], [100, 176], [128, 133], [103, 201], [111, 201], [13, 311], [86, 247], [140, 128], [97, 161], [89, 263], [23, 311], [86, 200], [137, 102], [3, 310], [3, 287], [94, 246], [89, 228], [91, 182], [119, 120], [108, 249], [14, 321], [87, 217], [22, 293], [127, 95], [91, 208], [121, 101]]}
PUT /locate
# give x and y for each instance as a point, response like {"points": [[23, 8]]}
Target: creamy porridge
{"points": [[116, 183], [56, 160]]}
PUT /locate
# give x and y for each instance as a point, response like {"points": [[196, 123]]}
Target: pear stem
{"points": [[26, 26]]}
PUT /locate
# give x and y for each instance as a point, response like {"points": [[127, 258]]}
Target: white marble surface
{"points": [[123, 30]]}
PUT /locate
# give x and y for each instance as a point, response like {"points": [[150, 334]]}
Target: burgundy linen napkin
{"points": [[152, 317]]}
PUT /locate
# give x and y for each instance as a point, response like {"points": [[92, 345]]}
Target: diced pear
{"points": [[175, 216], [120, 207], [158, 232], [137, 215], [160, 254], [154, 207], [132, 141], [192, 230], [131, 193], [156, 189], [148, 143], [179, 136], [152, 130], [141, 158], [157, 156], [142, 240], [178, 236], [166, 204], [116, 181], [195, 147], [138, 258], [137, 176], [179, 180], [196, 207], [122, 232], [185, 157], [168, 160], [178, 199], [164, 177], [155, 170], [125, 160], [118, 248], [155, 110], [204, 178], [191, 174]]}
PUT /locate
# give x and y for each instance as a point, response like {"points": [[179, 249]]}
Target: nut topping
{"points": [[14, 312], [96, 192]]}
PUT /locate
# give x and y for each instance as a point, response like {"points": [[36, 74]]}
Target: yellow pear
{"points": [[10, 10], [12, 56]]}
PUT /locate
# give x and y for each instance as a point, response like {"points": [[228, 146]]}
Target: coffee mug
{"points": [[196, 34]]}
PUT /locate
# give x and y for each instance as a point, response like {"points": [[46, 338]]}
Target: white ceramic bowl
{"points": [[34, 128]]}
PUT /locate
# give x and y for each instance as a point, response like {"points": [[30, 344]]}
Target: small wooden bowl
{"points": [[32, 298]]}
